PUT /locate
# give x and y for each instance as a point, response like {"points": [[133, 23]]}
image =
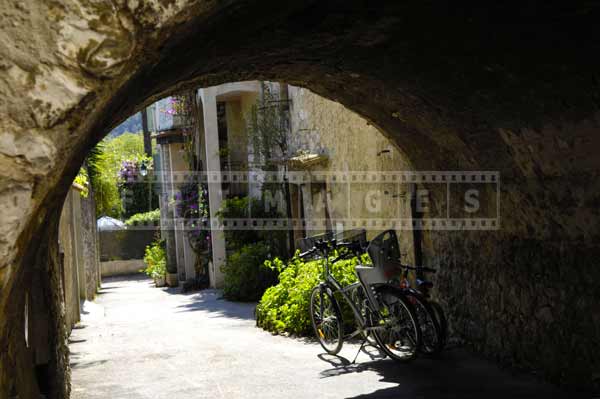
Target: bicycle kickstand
{"points": [[359, 349]]}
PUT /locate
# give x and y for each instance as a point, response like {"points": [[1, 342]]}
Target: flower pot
{"points": [[159, 281], [172, 279]]}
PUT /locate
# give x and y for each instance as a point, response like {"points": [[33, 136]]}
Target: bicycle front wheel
{"points": [[359, 298], [395, 328], [326, 320]]}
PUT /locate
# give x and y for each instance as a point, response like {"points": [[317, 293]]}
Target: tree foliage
{"points": [[267, 128], [104, 163]]}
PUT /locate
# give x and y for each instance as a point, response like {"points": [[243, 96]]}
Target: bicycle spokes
{"points": [[397, 331], [326, 320]]}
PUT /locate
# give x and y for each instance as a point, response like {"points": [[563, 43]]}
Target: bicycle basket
{"points": [[385, 251], [354, 236], [307, 243], [357, 236]]}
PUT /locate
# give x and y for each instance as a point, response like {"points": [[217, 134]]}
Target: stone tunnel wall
{"points": [[518, 301], [517, 293], [477, 88], [526, 294]]}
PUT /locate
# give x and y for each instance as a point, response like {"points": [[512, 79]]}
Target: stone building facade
{"points": [[344, 141], [349, 144]]}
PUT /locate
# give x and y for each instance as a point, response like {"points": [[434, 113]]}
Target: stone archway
{"points": [[488, 87]]}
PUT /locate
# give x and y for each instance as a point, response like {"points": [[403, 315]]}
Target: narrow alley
{"points": [[137, 341]]}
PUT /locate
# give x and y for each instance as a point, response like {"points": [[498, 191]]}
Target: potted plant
{"points": [[156, 263], [159, 274]]}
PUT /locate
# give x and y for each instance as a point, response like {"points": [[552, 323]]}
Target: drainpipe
{"points": [[417, 234], [147, 138], [284, 112]]}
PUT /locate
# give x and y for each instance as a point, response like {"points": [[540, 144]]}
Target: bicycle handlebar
{"points": [[307, 253]]}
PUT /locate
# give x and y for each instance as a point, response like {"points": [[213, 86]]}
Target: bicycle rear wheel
{"points": [[442, 322], [396, 329], [432, 336], [326, 320]]}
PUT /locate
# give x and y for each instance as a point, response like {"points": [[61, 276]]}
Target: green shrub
{"points": [[246, 276], [155, 259], [285, 306], [145, 217], [244, 208]]}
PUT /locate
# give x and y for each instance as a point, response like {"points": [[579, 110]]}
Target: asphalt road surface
{"points": [[140, 342]]}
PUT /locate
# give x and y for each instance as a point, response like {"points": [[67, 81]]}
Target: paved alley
{"points": [[141, 342]]}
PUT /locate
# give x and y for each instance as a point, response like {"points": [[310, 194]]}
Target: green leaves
{"points": [[143, 218], [156, 260], [82, 180], [266, 126], [284, 308], [246, 276], [244, 208]]}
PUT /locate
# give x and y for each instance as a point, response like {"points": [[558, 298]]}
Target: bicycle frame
{"points": [[335, 286]]}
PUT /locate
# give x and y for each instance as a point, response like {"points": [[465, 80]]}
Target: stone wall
{"points": [[76, 269], [125, 244], [121, 267], [78, 243], [516, 306], [68, 259], [90, 245]]}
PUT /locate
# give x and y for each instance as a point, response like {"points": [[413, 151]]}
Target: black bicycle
{"points": [[380, 310], [384, 250]]}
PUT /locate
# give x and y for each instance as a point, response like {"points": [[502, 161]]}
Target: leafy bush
{"points": [[285, 306], [246, 276], [246, 207], [155, 259], [143, 218]]}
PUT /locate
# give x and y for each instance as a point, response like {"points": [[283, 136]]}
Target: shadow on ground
{"points": [[212, 301], [208, 300], [455, 374]]}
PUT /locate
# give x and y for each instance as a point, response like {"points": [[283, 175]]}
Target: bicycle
{"points": [[429, 312], [383, 312], [384, 250]]}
